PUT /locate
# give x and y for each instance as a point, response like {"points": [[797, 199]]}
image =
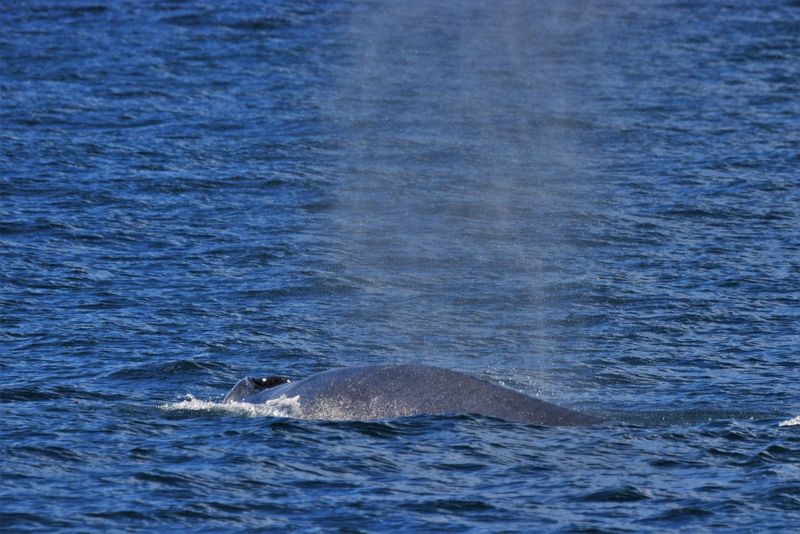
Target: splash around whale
{"points": [[390, 391]]}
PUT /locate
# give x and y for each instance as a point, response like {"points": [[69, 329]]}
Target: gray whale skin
{"points": [[389, 391]]}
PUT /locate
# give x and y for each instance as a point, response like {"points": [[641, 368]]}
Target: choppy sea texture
{"points": [[590, 202]]}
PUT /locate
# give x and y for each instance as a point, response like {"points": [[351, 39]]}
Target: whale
{"points": [[379, 392]]}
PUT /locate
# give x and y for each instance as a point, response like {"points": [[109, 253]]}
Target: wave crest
{"points": [[795, 421], [283, 406]]}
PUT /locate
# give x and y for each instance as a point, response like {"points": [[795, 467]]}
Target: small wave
{"points": [[24, 394], [174, 368], [794, 421], [283, 406]]}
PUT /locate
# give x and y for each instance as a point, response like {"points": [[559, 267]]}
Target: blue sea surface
{"points": [[594, 203]]}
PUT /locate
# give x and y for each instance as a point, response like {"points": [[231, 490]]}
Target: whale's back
{"points": [[389, 391]]}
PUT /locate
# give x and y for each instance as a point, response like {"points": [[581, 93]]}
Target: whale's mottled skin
{"points": [[389, 391]]}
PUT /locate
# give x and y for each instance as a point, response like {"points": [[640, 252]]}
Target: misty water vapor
{"points": [[461, 175]]}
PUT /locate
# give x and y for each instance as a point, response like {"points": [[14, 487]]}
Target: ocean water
{"points": [[595, 203]]}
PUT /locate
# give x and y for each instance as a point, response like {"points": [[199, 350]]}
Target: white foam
{"points": [[283, 406], [795, 421]]}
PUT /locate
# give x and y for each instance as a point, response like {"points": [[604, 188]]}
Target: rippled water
{"points": [[594, 203]]}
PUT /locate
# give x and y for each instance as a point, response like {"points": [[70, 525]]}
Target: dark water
{"points": [[595, 203]]}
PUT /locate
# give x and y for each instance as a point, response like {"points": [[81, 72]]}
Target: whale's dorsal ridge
{"points": [[388, 391]]}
